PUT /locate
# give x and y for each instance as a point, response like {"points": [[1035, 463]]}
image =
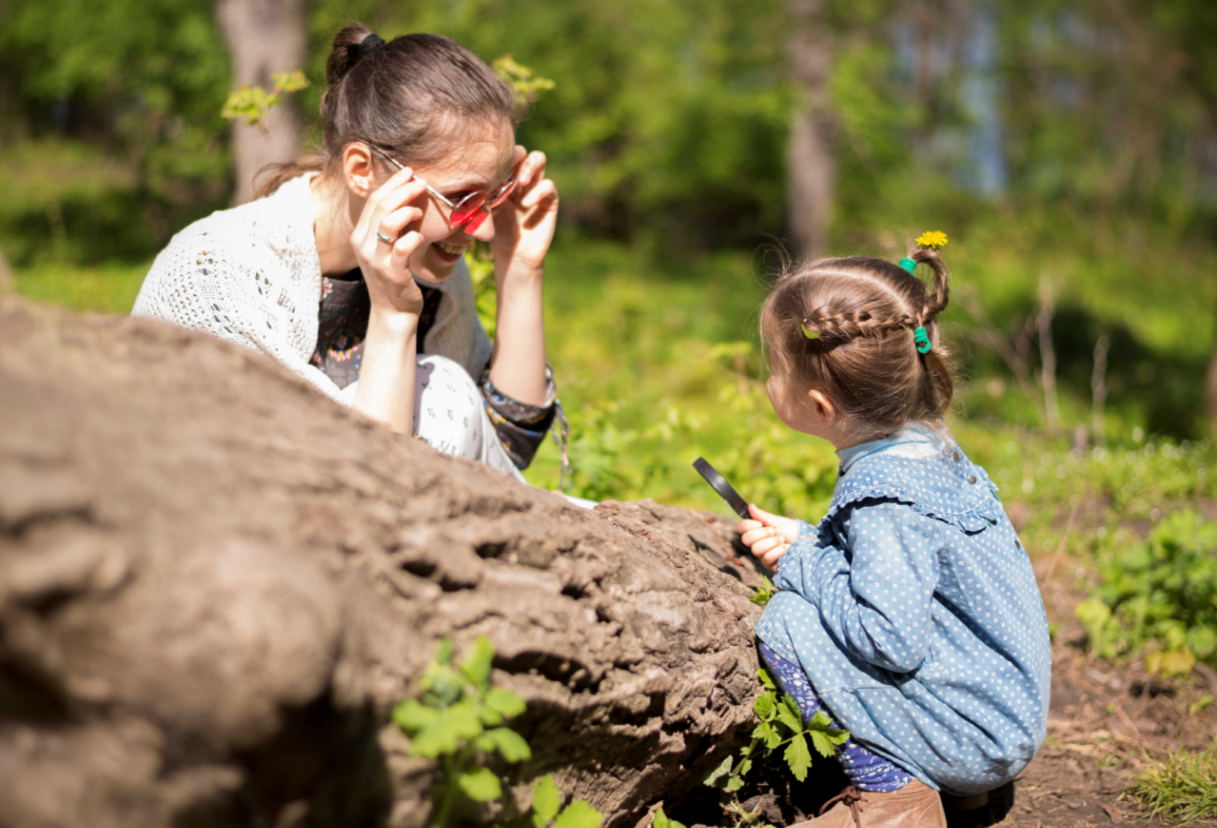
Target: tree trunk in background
{"points": [[810, 165], [265, 36]]}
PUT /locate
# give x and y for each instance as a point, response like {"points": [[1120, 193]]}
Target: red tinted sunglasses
{"points": [[473, 208]]}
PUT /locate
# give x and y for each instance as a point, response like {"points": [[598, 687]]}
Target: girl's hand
{"points": [[768, 536], [389, 212], [524, 224]]}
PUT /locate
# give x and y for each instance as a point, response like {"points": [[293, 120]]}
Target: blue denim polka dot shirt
{"points": [[913, 609]]}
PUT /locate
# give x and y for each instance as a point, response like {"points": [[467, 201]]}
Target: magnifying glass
{"points": [[720, 485]]}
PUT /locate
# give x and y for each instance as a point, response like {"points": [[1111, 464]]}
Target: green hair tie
{"points": [[922, 339], [908, 264]]}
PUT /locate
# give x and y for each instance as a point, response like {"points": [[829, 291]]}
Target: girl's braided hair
{"points": [[846, 327]]}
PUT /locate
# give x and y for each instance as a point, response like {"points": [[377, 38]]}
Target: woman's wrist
{"points": [[392, 322], [518, 272]]}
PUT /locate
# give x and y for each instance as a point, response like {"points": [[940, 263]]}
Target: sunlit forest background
{"points": [[1067, 147]]}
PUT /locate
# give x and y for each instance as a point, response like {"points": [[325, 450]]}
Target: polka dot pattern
{"points": [[913, 611]]}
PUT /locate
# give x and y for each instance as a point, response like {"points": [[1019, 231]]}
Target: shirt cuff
{"points": [[520, 427]]}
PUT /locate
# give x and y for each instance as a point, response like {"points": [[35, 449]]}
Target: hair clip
{"points": [[923, 340], [908, 264], [812, 334]]}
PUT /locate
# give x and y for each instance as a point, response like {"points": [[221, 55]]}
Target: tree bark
{"points": [[810, 164], [265, 36], [215, 584]]}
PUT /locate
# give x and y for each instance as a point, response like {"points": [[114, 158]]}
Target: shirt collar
{"points": [[914, 441]]}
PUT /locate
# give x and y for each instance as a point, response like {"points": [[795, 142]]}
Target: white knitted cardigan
{"points": [[251, 275]]}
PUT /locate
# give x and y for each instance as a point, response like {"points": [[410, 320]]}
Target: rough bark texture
{"points": [[265, 36], [215, 584], [810, 164]]}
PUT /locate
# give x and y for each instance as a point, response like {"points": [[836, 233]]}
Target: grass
{"points": [[1182, 788], [109, 288]]}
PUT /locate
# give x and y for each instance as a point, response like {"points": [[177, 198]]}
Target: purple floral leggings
{"points": [[866, 771]]}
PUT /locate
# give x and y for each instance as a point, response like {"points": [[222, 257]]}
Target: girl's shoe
{"points": [[916, 805]]}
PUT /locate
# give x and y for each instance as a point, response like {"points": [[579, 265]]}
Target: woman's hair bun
{"points": [[348, 50]]}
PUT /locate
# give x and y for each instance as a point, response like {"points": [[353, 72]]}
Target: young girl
{"points": [[910, 614]]}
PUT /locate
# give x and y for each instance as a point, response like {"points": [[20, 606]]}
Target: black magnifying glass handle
{"points": [[720, 485]]}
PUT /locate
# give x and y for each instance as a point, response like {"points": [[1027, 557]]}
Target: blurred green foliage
{"points": [[1064, 145], [1160, 594]]}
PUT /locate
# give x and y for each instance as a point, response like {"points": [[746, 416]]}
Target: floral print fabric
{"points": [[343, 326]]}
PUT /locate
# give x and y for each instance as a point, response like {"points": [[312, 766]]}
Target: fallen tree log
{"points": [[215, 584]]}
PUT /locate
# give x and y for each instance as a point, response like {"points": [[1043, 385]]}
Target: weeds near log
{"points": [[459, 721], [781, 725]]}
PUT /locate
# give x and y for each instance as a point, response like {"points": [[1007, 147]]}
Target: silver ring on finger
{"points": [[384, 238]]}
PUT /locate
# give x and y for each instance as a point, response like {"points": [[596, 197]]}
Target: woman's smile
{"points": [[448, 253]]}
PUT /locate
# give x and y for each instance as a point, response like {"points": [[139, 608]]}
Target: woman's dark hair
{"points": [[411, 97], [846, 326]]}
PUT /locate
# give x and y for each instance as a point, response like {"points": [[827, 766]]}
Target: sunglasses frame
{"points": [[493, 199]]}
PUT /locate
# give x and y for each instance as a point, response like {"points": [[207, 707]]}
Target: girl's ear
{"points": [[821, 403], [357, 171]]}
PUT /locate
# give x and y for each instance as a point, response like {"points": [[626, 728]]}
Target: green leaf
{"points": [[720, 772], [761, 596], [766, 679], [661, 820], [546, 800], [789, 715], [734, 784], [765, 706], [1094, 615], [742, 769], [480, 785], [476, 665], [292, 81], [798, 757], [821, 742], [581, 814], [504, 702], [510, 745], [412, 716], [444, 652], [451, 727]]}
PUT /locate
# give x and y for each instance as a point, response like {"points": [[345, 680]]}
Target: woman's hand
{"points": [[386, 270], [524, 224], [768, 536]]}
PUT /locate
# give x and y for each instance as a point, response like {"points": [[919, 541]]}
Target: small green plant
{"points": [[762, 595], [1182, 788], [1159, 598], [662, 821], [527, 84], [781, 725], [459, 722], [253, 103]]}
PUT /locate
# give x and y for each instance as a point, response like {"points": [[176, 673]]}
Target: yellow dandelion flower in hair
{"points": [[934, 239]]}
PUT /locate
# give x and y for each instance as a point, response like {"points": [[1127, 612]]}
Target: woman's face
{"points": [[481, 163]]}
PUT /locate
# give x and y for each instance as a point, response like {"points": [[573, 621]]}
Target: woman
{"points": [[349, 269]]}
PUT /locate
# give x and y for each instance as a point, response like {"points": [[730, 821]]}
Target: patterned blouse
{"points": [[913, 610], [345, 309]]}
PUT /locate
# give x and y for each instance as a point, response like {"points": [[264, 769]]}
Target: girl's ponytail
{"points": [[937, 386]]}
